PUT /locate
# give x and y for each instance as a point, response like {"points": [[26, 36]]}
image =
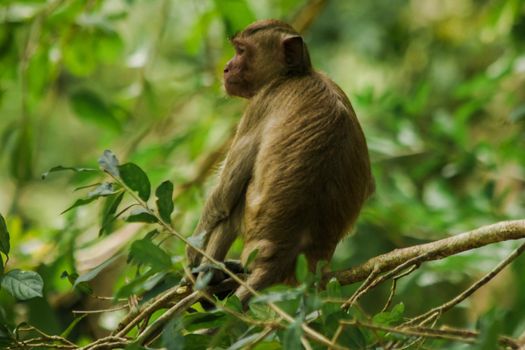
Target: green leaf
{"points": [[196, 341], [390, 317], [144, 251], [102, 190], [278, 294], [108, 213], [490, 326], [236, 14], [72, 325], [518, 114], [91, 108], [108, 46], [21, 162], [164, 195], [233, 303], [109, 163], [172, 337], [201, 320], [292, 336], [6, 336], [62, 168], [332, 291], [134, 346], [136, 179], [5, 244], [79, 202], [139, 284], [251, 259], [141, 214], [301, 268], [23, 285], [93, 273], [79, 54]]}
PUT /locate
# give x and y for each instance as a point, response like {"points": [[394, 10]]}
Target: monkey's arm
{"points": [[228, 195]]}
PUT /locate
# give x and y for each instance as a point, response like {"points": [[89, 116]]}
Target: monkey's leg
{"points": [[273, 264]]}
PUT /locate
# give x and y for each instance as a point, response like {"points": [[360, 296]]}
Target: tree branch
{"points": [[502, 231]]}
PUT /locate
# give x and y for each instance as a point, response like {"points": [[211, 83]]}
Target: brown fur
{"points": [[298, 171]]}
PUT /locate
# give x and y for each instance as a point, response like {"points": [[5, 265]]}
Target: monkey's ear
{"points": [[296, 54]]}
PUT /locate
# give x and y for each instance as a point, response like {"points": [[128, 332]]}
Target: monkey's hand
{"points": [[210, 275]]}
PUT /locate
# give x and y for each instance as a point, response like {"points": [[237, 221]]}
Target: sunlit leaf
{"points": [[136, 179], [23, 285], [90, 107], [145, 252], [5, 244], [109, 163]]}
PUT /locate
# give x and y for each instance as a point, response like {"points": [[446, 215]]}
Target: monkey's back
{"points": [[312, 172]]}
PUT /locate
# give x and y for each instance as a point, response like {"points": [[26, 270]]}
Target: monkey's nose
{"points": [[226, 69]]}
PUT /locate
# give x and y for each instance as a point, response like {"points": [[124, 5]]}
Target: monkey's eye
{"points": [[239, 49]]}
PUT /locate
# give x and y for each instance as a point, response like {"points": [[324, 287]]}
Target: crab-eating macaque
{"points": [[298, 170]]}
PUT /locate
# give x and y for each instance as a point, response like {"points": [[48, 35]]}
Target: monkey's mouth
{"points": [[233, 81]]}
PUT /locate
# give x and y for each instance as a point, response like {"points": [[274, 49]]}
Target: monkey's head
{"points": [[264, 51]]}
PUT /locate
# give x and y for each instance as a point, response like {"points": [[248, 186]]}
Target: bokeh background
{"points": [[439, 88]]}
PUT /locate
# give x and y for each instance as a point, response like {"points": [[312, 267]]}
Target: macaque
{"points": [[298, 170]]}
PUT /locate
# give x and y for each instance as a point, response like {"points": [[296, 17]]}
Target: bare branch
{"points": [[502, 231]]}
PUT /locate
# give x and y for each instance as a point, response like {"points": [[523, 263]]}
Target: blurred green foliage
{"points": [[438, 87]]}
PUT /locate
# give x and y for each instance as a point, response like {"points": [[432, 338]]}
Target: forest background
{"points": [[438, 87]]}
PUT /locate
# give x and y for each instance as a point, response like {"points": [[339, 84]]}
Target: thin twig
{"points": [[410, 264], [394, 285], [116, 308], [361, 290], [181, 306], [455, 335], [450, 304]]}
